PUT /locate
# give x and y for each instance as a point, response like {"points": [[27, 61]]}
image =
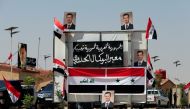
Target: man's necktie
{"points": [[107, 105], [69, 26], [139, 63], [126, 26]]}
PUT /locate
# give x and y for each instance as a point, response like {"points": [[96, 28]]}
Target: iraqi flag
{"points": [[95, 80], [58, 28], [150, 31], [150, 78], [13, 93], [59, 66], [186, 88]]}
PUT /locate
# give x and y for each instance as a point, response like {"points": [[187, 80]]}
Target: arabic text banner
{"points": [[98, 53]]}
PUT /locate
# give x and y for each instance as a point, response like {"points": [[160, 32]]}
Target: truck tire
{"points": [[159, 103], [168, 105]]}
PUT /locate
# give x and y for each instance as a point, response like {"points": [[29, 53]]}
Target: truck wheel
{"points": [[159, 103], [141, 106], [131, 106], [168, 104]]}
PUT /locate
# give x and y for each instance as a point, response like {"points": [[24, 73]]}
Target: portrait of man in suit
{"points": [[22, 54], [126, 21], [140, 59], [69, 20], [107, 97]]}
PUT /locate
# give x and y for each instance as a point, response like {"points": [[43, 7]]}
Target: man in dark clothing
{"points": [[175, 99]]}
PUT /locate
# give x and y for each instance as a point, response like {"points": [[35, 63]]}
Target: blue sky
{"points": [[35, 19]]}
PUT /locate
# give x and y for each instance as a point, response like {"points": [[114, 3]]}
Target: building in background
{"points": [[42, 77]]}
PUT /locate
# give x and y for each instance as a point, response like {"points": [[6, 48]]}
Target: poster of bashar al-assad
{"points": [[70, 20], [126, 20], [140, 58], [107, 100], [22, 54]]}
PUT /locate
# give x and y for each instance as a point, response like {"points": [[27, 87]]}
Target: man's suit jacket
{"points": [[143, 64], [71, 27], [129, 27], [110, 106]]}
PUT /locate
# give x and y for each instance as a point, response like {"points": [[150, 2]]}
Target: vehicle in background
{"points": [[45, 94], [157, 97]]}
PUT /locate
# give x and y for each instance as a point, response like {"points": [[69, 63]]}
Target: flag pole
{"points": [[53, 70], [146, 60], [38, 52]]}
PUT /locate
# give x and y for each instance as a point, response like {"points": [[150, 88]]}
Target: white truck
{"points": [[157, 97]]}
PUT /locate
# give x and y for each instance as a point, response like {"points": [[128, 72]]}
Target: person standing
{"points": [[175, 99]]}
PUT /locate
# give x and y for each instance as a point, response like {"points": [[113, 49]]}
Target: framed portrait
{"points": [[107, 99], [126, 19], [22, 55], [70, 20], [140, 55]]}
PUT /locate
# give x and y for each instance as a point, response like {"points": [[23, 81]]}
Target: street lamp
{"points": [[46, 57], [155, 58], [177, 63], [11, 33]]}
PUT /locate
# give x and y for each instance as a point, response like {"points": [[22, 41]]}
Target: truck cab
{"points": [[157, 97]]}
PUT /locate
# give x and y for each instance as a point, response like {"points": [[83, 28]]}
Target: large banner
{"points": [[98, 54], [94, 80], [22, 54], [31, 62]]}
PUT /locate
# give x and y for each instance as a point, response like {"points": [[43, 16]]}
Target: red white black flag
{"points": [[150, 31], [150, 78], [94, 80], [58, 28], [13, 93], [59, 66]]}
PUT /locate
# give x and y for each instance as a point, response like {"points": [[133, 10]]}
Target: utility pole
{"points": [[11, 34], [45, 58], [38, 52]]}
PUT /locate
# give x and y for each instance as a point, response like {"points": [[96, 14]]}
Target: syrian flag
{"points": [[58, 28], [95, 80], [150, 78], [13, 93], [150, 31], [186, 88], [59, 66], [60, 71]]}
